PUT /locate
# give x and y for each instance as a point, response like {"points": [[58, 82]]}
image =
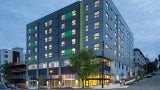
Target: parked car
{"points": [[3, 87], [149, 76]]}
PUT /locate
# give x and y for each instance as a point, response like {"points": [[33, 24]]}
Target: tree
{"points": [[6, 70], [84, 63]]}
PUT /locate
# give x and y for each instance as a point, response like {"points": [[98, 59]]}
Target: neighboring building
{"points": [[87, 24], [139, 61], [16, 57]]}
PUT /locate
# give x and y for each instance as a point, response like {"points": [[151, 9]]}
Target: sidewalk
{"points": [[111, 86]]}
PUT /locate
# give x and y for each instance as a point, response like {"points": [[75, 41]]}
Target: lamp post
{"points": [[50, 73]]}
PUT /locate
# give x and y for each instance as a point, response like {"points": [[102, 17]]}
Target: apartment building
{"points": [[87, 24]]}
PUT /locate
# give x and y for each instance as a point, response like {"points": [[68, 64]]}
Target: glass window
{"points": [[107, 37], [74, 13], [115, 25], [115, 53], [50, 22], [35, 50], [62, 35], [73, 41], [86, 38], [50, 46], [86, 18], [86, 47], [29, 37], [42, 65], [115, 43], [35, 57], [86, 7], [107, 6], [46, 55], [107, 27], [50, 55], [46, 40], [107, 47], [96, 25], [62, 52], [50, 39], [32, 66], [96, 47], [46, 23], [53, 64], [29, 51], [73, 22], [96, 3], [66, 62], [73, 31], [62, 26], [36, 28], [45, 48], [46, 32], [96, 14], [73, 50], [86, 27], [35, 35], [50, 30], [62, 17], [62, 43], [107, 16], [96, 36], [35, 42]]}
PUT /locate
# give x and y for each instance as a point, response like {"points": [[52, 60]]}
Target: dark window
{"points": [[5, 56]]}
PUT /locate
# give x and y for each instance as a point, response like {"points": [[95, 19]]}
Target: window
{"points": [[96, 36], [107, 27], [46, 32], [35, 57], [107, 16], [86, 7], [35, 42], [50, 39], [66, 62], [50, 30], [29, 51], [35, 35], [73, 22], [73, 41], [86, 47], [53, 64], [96, 25], [115, 25], [115, 43], [42, 65], [62, 17], [62, 43], [86, 17], [46, 39], [96, 3], [96, 14], [47, 23], [45, 55], [45, 48], [96, 47], [35, 50], [86, 27], [107, 47], [50, 55], [107, 37], [74, 13], [107, 6], [62, 35], [86, 38], [50, 22], [50, 46], [115, 35], [62, 26], [115, 53], [73, 50], [29, 37], [62, 52], [32, 66], [73, 32]]}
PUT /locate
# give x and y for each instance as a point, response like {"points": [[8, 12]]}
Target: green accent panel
{"points": [[68, 33], [68, 51], [32, 58], [32, 29], [32, 44], [68, 15], [81, 25]]}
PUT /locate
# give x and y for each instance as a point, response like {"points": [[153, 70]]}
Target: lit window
{"points": [[50, 55], [50, 22], [50, 39], [115, 53], [96, 47], [45, 55], [107, 37], [66, 63], [29, 37], [86, 7], [96, 14], [45, 47], [62, 35], [29, 44], [73, 32], [35, 57], [46, 32], [74, 13], [63, 17], [107, 27], [86, 47], [96, 36], [96, 3], [42, 65], [73, 50], [115, 17], [62, 26], [107, 6], [35, 50], [62, 52], [29, 51], [62, 43], [35, 35], [73, 41], [115, 43], [35, 42], [46, 40], [107, 16], [73, 22], [86, 27], [32, 66], [107, 47], [96, 25], [86, 17], [86, 38], [46, 23], [50, 46], [53, 64], [50, 30], [35, 28], [115, 35]]}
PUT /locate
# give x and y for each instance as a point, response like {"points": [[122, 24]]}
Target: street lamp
{"points": [[50, 73]]}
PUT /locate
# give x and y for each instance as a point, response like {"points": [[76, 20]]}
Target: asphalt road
{"points": [[152, 83]]}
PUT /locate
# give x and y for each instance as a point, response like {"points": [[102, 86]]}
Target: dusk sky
{"points": [[142, 16]]}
